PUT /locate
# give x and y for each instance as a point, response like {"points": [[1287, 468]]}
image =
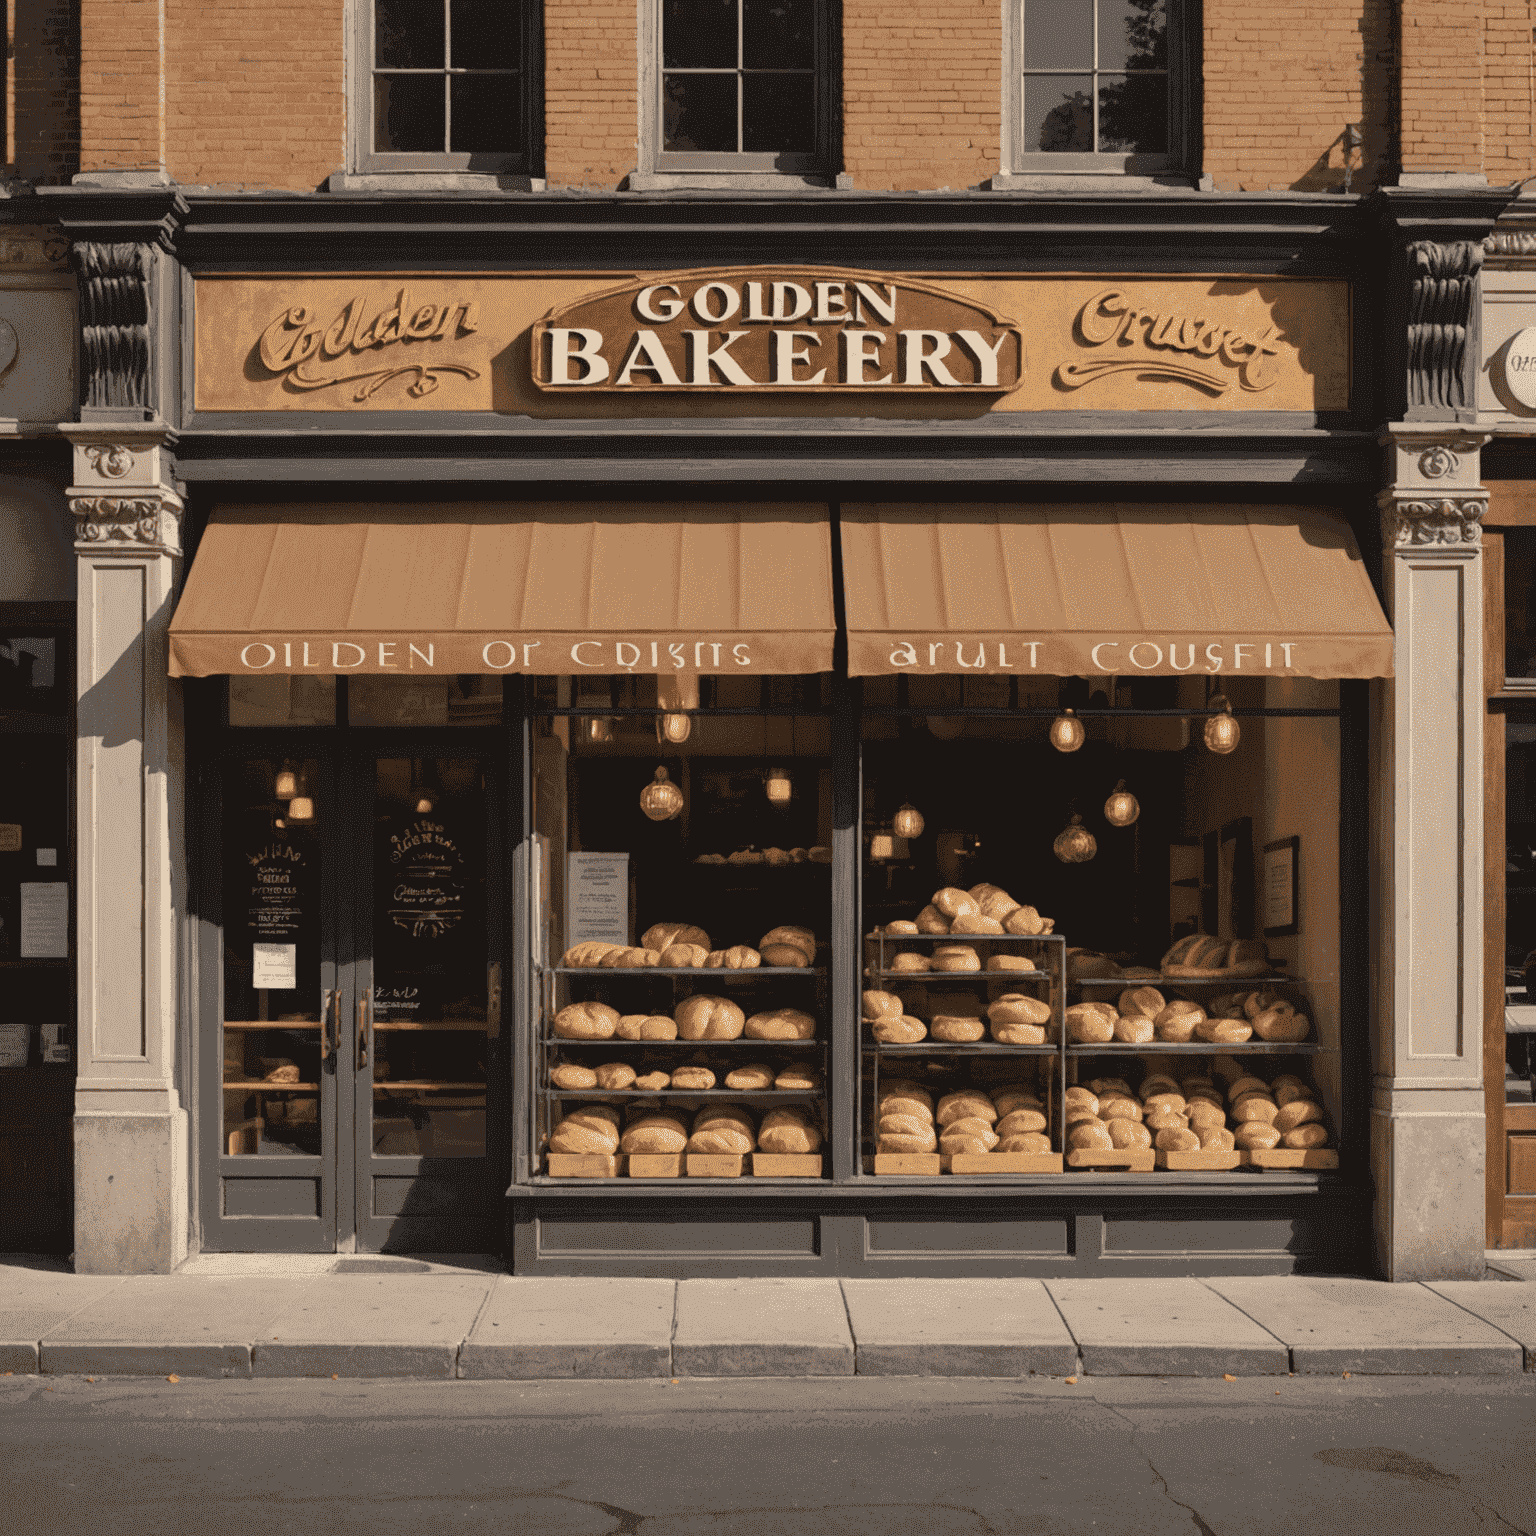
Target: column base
{"points": [[130, 1193]]}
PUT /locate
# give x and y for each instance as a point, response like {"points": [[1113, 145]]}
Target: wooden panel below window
{"points": [[1522, 1165]]}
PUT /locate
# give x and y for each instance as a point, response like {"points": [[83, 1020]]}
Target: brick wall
{"points": [[591, 53], [45, 74], [1442, 85], [1509, 91], [121, 117], [922, 89], [1281, 83]]}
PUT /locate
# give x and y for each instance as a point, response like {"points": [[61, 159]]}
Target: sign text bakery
{"points": [[547, 655], [773, 328]]}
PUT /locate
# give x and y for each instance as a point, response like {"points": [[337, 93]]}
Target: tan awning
{"points": [[538, 588], [1073, 591]]}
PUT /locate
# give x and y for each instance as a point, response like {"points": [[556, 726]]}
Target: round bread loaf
{"points": [[1254, 1136], [1125, 1133], [754, 1076], [1200, 1094], [955, 957], [654, 1133], [927, 1143], [586, 1021], [1297, 1112], [1119, 1106], [1247, 1083], [966, 1102], [1111, 1085], [957, 1031], [1144, 1000], [1223, 1031], [706, 1017], [1256, 1003], [1163, 1119], [615, 1076], [1164, 1098], [569, 1075], [660, 935], [1089, 965], [1009, 963], [1018, 1121], [1019, 1096], [683, 956], [1079, 1116], [1018, 1034], [1078, 1095], [630, 958], [1229, 1005], [1025, 1141], [1024, 920], [784, 956], [968, 1125], [972, 1146], [904, 1098], [1133, 1029], [1177, 1021], [646, 1026], [1274, 1025], [953, 902], [1289, 1080], [909, 960], [1089, 1024], [587, 954], [798, 1078], [931, 920], [902, 925], [1303, 1136], [1255, 1107], [693, 1077], [585, 1132], [795, 937], [975, 922], [1090, 1136], [652, 1082], [1202, 1115], [902, 1125], [787, 1130], [1176, 1139], [777, 857], [1285, 1092], [899, 1031], [1018, 1008], [730, 1140], [780, 1024], [1215, 1138], [996, 904], [714, 1115], [882, 1005]]}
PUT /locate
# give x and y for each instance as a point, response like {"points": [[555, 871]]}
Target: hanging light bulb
{"points": [[661, 799], [1222, 732], [778, 786], [425, 803], [673, 730], [286, 785], [908, 822], [422, 793], [598, 729], [946, 727], [1067, 733], [301, 808], [1075, 844], [675, 693], [1122, 808]]}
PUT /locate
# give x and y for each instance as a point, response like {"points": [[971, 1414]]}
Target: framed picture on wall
{"points": [[1281, 860]]}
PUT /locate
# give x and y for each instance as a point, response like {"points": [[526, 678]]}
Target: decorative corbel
{"points": [[1443, 289]]}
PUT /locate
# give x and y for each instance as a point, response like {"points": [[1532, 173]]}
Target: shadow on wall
{"points": [[46, 50], [1360, 163]]}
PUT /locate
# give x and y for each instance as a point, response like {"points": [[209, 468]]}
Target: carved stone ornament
{"points": [[1438, 462], [133, 524], [1447, 520], [1511, 242], [114, 323], [110, 460], [1444, 285]]}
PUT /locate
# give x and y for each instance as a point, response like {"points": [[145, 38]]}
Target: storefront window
{"points": [[1519, 545], [1520, 911]]}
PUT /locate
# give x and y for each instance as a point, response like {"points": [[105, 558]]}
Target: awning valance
{"points": [[1071, 590], [538, 588]]}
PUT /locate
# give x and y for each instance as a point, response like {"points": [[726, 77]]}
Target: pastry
{"points": [[654, 1133], [881, 1005], [1302, 1136], [646, 1026], [955, 957], [693, 1077], [909, 960], [615, 1076], [953, 902], [902, 1030], [568, 1075], [788, 1130], [652, 1082], [1143, 1000], [706, 1017], [1090, 1136], [1010, 963], [757, 1075], [931, 920], [586, 1021], [660, 936], [1133, 1029], [780, 1024], [798, 938], [683, 956], [589, 953], [1127, 1133], [798, 1079], [1253, 1136], [1027, 1141], [957, 1030], [1018, 1008], [964, 1103], [592, 1128], [975, 922]]}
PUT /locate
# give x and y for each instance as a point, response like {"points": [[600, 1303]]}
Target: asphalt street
{"points": [[844, 1457]]}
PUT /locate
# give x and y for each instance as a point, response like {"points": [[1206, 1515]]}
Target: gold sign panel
{"points": [[769, 341]]}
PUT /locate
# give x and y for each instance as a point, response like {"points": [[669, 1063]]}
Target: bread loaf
{"points": [[925, 1143], [630, 958], [683, 956], [1019, 1034], [955, 957], [655, 1133], [592, 1128], [1117, 1106], [788, 1130], [1255, 1107], [1215, 1138], [587, 954], [931, 920], [1161, 1118], [1089, 965], [1203, 1115], [1090, 1136], [1133, 1029], [568, 1075], [908, 960], [780, 1024], [956, 1030], [1274, 1025], [1082, 1097], [1147, 1001], [795, 937], [1018, 1008], [798, 1078], [693, 1077], [1245, 1084], [967, 1125], [1256, 1003], [660, 936], [964, 1103], [1009, 963], [1018, 1121], [586, 1021], [1223, 1031], [903, 1098], [1253, 1136], [615, 1076], [1176, 1139], [1303, 1136], [996, 904], [652, 1082], [1023, 920], [971, 1146], [1177, 1021], [901, 925], [706, 1017], [881, 1005], [1164, 1098], [739, 957], [757, 1075], [784, 956], [1027, 1141], [1126, 1134], [1090, 1023], [953, 903], [1297, 1112], [898, 1031], [646, 1026], [975, 922]]}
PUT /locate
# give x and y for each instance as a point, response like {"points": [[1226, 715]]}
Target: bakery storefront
{"points": [[718, 875]]}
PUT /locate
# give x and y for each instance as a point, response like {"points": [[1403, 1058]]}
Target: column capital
{"points": [[1434, 500], [123, 500], [143, 524], [1419, 524]]}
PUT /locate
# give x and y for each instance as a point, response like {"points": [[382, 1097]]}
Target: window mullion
{"points": [[741, 76], [1093, 78]]}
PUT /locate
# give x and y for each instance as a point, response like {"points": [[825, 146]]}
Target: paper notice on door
{"points": [[44, 920], [275, 966], [597, 898]]}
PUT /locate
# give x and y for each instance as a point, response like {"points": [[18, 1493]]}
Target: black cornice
{"points": [[114, 216], [1442, 215]]}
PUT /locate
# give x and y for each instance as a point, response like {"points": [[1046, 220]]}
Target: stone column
{"points": [[1427, 1121], [130, 1127]]}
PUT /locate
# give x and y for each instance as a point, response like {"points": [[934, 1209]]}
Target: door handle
{"points": [[362, 1033], [327, 1022]]}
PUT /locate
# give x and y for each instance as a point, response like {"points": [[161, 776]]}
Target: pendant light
{"points": [[301, 808], [908, 822], [423, 795], [597, 729], [661, 799], [1122, 807], [778, 786], [1075, 844], [1067, 733], [1222, 732], [673, 730], [286, 785], [675, 694]]}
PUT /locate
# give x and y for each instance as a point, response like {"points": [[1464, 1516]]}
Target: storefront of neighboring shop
{"points": [[829, 763]]}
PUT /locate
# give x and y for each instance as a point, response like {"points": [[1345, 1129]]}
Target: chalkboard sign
{"points": [[425, 871], [279, 874]]}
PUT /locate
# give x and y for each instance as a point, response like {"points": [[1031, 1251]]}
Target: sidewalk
{"points": [[452, 1316]]}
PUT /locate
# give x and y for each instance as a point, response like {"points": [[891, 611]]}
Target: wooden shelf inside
{"points": [[271, 1023], [389, 1085], [266, 1087], [468, 1026]]}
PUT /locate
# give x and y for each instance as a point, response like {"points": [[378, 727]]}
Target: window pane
{"points": [[282, 701], [1058, 34], [1133, 34], [485, 34], [1519, 604], [487, 113], [778, 34], [1058, 113], [1133, 114], [408, 113], [698, 34], [30, 676], [778, 114], [699, 112], [408, 34]]}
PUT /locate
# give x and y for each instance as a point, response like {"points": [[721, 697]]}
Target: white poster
{"points": [[44, 920], [597, 898], [275, 966]]}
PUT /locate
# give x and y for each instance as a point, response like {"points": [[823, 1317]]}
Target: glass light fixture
{"points": [[422, 793], [674, 694], [946, 727], [286, 785], [1075, 844], [1067, 733], [1122, 807], [598, 729], [661, 799], [673, 730], [908, 822], [1222, 732], [301, 808], [884, 848], [778, 786]]}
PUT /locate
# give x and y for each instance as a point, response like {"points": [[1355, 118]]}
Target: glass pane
{"points": [[31, 678], [778, 114], [408, 114], [699, 113], [485, 34], [778, 34], [1058, 113], [282, 701], [698, 34], [271, 1060], [487, 114], [463, 699], [1133, 34], [429, 965], [408, 34], [1058, 34], [1133, 114], [1520, 918], [1520, 602]]}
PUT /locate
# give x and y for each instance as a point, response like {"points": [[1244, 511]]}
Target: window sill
{"points": [[1113, 182], [433, 181], [734, 181]]}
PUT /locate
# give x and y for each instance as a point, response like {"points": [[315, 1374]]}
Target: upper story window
{"points": [[741, 85], [1099, 86], [450, 86]]}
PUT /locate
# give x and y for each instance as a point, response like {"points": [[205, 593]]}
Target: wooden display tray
{"points": [[1135, 1159], [925, 1163], [1199, 1161], [716, 1165], [655, 1165], [1001, 1162], [583, 1165], [1292, 1157], [786, 1165]]}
